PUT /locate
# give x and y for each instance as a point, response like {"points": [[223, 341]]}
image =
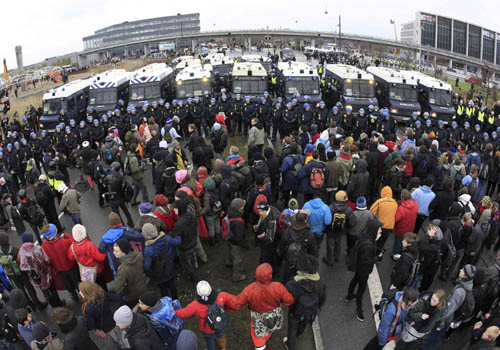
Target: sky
{"points": [[55, 27]]}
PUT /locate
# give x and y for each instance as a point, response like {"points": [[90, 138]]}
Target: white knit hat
{"points": [[62, 188], [204, 290], [79, 233]]}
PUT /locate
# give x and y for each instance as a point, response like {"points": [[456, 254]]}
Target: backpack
{"points": [[128, 191], [160, 264], [483, 171], [307, 305], [260, 198], [126, 167], [466, 310], [215, 202], [297, 165], [217, 318], [226, 227], [40, 195], [351, 260], [385, 301], [458, 180], [338, 222], [109, 155], [169, 183], [317, 178], [243, 175], [34, 215], [415, 269], [260, 167], [223, 140], [9, 265]]}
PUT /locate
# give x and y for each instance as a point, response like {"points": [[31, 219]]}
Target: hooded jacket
{"points": [[319, 217], [402, 268], [441, 204], [300, 233], [346, 162], [113, 234], [153, 248], [362, 218], [429, 250], [406, 216], [237, 226], [455, 224], [263, 295], [455, 300], [256, 135], [56, 250], [384, 329], [305, 176], [290, 179], [358, 185], [228, 187], [130, 278], [87, 254], [341, 207], [367, 251], [168, 217], [385, 208], [186, 226], [33, 258], [424, 196], [141, 334], [76, 336], [17, 300], [306, 285]]}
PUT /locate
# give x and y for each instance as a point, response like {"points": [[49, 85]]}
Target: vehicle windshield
{"points": [[144, 92], [267, 66], [403, 93], [53, 106], [440, 98], [223, 69], [102, 96], [304, 86], [192, 88], [249, 85], [358, 88]]}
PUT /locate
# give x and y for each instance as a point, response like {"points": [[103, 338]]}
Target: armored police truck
{"points": [[351, 86], [297, 80], [72, 98], [108, 88], [187, 63], [151, 83], [222, 69], [193, 81], [249, 79], [265, 61], [435, 97], [397, 91]]}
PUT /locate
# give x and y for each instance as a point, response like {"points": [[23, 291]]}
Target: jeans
{"points": [[139, 185], [116, 206], [333, 243], [213, 225], [169, 288], [295, 329], [398, 245], [236, 257], [200, 252], [210, 338], [71, 279], [76, 219], [481, 189], [318, 240], [361, 281], [188, 262]]}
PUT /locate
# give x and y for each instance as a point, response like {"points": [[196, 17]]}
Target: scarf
{"points": [[306, 276], [153, 240], [180, 161]]}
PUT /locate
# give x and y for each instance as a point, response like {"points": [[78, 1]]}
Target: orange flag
{"points": [[5, 72]]}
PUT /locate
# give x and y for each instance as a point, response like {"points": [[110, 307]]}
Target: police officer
{"points": [[114, 182], [306, 117], [211, 112], [418, 130], [453, 134], [182, 113], [121, 106], [225, 107], [335, 116], [360, 123], [277, 116], [58, 139], [290, 119], [347, 121], [476, 135], [196, 111], [236, 114], [321, 116], [441, 133], [248, 112], [465, 133]]}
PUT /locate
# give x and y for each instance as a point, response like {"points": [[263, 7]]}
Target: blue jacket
{"points": [[320, 216], [423, 196], [305, 174], [153, 248], [384, 329], [164, 320], [111, 236], [254, 192], [473, 158], [26, 333], [290, 179]]}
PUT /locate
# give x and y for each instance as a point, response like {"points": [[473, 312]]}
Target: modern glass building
{"points": [[452, 35], [145, 29]]}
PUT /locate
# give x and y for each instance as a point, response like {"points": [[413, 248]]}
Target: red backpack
{"points": [[408, 168], [260, 198], [317, 179], [226, 227]]}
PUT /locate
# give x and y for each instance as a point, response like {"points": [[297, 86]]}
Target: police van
{"points": [[72, 98], [435, 97], [249, 79], [299, 78], [222, 70], [193, 81], [187, 63], [109, 87], [397, 91], [265, 61], [151, 83], [351, 86], [179, 59]]}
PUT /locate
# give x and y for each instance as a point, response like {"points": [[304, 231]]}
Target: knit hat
{"points": [[180, 176], [470, 271], [293, 204], [149, 298], [51, 232], [79, 232], [42, 178], [123, 316], [301, 216], [62, 188], [209, 184], [203, 289], [216, 126], [157, 156], [307, 263], [40, 331], [161, 200], [27, 237], [486, 201], [149, 231], [341, 196], [361, 203], [124, 245], [145, 207], [163, 144], [467, 180]]}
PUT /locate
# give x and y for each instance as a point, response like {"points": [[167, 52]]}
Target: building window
{"points": [[474, 41], [428, 30], [444, 33], [498, 52], [459, 37], [488, 46]]}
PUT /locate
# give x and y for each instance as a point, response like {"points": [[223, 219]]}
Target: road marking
{"points": [[376, 291], [318, 339]]}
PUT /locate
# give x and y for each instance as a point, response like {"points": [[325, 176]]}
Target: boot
{"points": [[221, 342]]}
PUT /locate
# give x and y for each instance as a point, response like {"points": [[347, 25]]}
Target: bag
{"points": [[34, 215], [9, 265], [226, 227], [297, 165], [126, 167], [338, 222], [128, 191], [41, 196], [466, 311], [268, 322], [243, 174], [317, 178], [351, 260], [109, 155], [160, 265], [458, 180], [415, 269], [87, 273], [294, 250], [386, 300], [308, 306], [483, 171], [217, 318], [260, 198], [7, 330]]}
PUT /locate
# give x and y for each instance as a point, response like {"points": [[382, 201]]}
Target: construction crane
{"points": [[393, 22]]}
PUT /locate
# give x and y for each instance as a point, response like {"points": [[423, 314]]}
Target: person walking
{"points": [[406, 216], [70, 201], [238, 242], [319, 219], [136, 169], [385, 210]]}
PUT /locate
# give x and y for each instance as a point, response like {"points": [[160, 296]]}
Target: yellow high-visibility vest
{"points": [[480, 116]]}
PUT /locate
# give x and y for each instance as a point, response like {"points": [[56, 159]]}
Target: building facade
{"points": [[142, 30], [430, 30], [19, 57]]}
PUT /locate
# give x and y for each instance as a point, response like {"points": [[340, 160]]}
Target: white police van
{"points": [[397, 91], [151, 83], [299, 78], [109, 87], [193, 81], [72, 98], [265, 61], [249, 79]]}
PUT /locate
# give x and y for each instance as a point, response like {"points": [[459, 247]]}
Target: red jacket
{"points": [[169, 219], [406, 215], [195, 308], [56, 250], [263, 295], [87, 254]]}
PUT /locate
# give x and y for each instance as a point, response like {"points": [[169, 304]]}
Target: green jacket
{"points": [[130, 278], [136, 169], [70, 201]]}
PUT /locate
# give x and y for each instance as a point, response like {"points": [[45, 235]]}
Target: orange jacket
{"points": [[263, 295], [384, 209]]}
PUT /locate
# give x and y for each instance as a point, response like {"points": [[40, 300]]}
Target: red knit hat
{"points": [[161, 200]]}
